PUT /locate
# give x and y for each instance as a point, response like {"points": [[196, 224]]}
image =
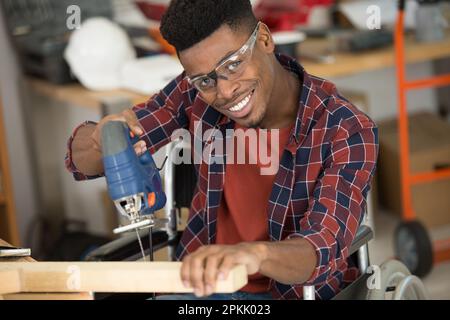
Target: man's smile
{"points": [[241, 108]]}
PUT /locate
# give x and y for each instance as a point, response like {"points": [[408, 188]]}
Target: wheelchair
{"points": [[390, 281]]}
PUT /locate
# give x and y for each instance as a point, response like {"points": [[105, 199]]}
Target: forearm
{"points": [[289, 262], [86, 155]]}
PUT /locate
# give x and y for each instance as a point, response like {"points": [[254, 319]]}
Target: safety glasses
{"points": [[229, 69]]}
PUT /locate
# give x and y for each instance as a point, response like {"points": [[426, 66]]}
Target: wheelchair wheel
{"points": [[395, 282], [413, 247]]}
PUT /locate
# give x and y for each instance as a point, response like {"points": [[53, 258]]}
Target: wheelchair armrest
{"points": [[363, 236], [353, 291]]}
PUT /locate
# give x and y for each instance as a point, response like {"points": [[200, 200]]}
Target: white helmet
{"points": [[97, 52]]}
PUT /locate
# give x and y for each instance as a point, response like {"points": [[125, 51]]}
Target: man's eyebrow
{"points": [[225, 57]]}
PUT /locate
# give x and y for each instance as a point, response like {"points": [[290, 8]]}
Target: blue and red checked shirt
{"points": [[322, 182]]}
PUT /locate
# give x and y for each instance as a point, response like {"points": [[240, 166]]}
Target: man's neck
{"points": [[283, 106]]}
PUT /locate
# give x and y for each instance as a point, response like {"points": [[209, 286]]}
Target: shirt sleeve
{"points": [[160, 116], [166, 112], [339, 199]]}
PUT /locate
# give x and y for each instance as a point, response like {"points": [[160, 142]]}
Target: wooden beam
{"points": [[49, 296], [59, 277], [9, 281]]}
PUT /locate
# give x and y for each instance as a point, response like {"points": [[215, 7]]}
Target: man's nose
{"points": [[226, 89]]}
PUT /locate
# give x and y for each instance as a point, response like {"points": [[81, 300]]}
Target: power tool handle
{"points": [[114, 141], [115, 137]]}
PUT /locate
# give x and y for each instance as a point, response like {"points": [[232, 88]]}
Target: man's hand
{"points": [[86, 145], [127, 116], [204, 267]]}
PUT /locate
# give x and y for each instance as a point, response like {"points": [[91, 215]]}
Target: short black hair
{"points": [[187, 22]]}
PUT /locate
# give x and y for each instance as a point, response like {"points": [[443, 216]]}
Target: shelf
{"points": [[347, 64]]}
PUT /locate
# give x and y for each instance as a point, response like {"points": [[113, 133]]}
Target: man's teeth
{"points": [[241, 104]]}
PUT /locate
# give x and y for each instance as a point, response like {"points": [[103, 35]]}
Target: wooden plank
{"points": [[10, 282], [161, 277], [49, 296]]}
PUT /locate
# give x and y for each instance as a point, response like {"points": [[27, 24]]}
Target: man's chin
{"points": [[254, 125], [250, 123]]}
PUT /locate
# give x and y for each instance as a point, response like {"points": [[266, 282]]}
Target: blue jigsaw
{"points": [[134, 182]]}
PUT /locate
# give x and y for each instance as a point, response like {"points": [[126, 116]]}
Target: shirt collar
{"points": [[303, 119]]}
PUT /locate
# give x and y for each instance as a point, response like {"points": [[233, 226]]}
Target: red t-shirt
{"points": [[242, 214]]}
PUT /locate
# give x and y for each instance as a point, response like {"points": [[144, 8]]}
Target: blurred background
{"points": [[63, 62]]}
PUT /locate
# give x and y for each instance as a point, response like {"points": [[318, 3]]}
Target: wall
{"points": [[17, 134], [381, 89]]}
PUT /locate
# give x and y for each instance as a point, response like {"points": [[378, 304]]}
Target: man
{"points": [[291, 228]]}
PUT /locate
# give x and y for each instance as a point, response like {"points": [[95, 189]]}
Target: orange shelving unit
{"points": [[412, 242]]}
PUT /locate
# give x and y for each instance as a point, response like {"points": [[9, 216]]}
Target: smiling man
{"points": [[291, 228]]}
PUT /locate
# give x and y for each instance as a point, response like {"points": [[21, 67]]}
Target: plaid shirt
{"points": [[321, 187]]}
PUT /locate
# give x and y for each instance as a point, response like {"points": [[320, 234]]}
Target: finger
{"points": [[211, 271], [140, 147], [228, 262], [186, 266], [185, 272], [132, 122], [196, 270]]}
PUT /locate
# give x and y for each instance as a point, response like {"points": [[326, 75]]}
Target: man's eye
{"points": [[234, 65], [205, 82]]}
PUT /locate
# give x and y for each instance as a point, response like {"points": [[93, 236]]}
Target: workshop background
{"points": [[48, 88]]}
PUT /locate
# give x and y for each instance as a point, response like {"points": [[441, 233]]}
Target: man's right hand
{"points": [[86, 144]]}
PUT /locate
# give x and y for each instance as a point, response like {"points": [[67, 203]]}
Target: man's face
{"points": [[245, 99]]}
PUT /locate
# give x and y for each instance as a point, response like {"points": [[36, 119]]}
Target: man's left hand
{"points": [[202, 268]]}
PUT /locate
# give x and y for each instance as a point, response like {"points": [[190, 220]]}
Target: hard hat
{"points": [[97, 52]]}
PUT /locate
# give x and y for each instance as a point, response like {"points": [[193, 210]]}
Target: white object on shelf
{"points": [[151, 74], [97, 53]]}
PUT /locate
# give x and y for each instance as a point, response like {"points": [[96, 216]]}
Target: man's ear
{"points": [[266, 39]]}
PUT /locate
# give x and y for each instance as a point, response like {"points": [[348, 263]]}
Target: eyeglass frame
{"points": [[249, 44]]}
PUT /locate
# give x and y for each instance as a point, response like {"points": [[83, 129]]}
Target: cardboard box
{"points": [[429, 150]]}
